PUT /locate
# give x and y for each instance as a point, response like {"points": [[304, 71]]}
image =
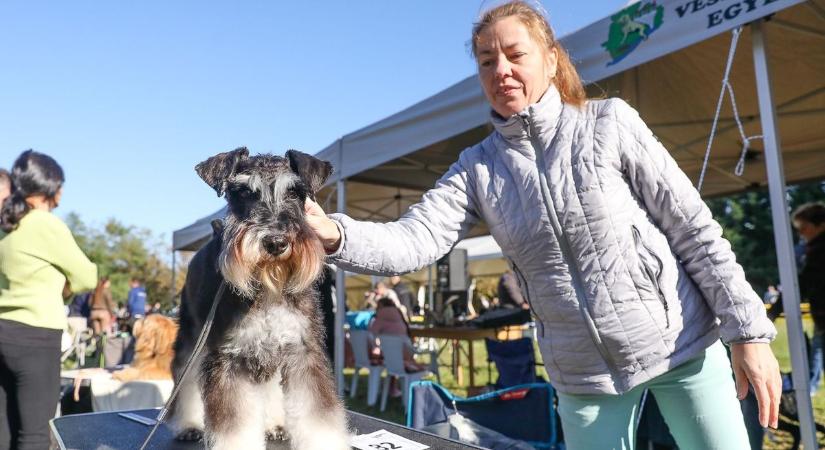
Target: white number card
{"points": [[384, 440]]}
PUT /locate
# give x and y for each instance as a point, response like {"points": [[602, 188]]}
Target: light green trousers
{"points": [[697, 400]]}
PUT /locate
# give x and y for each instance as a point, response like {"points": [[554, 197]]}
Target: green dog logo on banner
{"points": [[630, 26]]}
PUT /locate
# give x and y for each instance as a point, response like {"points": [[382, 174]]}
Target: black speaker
{"points": [[451, 271]]}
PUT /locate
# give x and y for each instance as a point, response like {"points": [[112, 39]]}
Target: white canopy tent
{"points": [[667, 59]]}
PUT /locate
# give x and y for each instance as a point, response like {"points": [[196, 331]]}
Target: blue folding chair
{"points": [[515, 361], [524, 412]]}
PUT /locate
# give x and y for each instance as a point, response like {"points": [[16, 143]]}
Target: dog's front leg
{"points": [[234, 410], [315, 418], [187, 409]]}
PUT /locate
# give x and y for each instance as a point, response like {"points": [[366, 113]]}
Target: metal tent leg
{"points": [[340, 302], [782, 236]]}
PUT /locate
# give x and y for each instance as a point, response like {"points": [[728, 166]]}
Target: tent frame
{"points": [[783, 237]]}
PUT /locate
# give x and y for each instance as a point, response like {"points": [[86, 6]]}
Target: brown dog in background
{"points": [[155, 334]]}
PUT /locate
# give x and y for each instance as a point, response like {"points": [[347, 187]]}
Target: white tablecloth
{"points": [[109, 394]]}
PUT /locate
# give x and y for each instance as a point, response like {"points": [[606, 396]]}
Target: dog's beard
{"points": [[247, 267]]}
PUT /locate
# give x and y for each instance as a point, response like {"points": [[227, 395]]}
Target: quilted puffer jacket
{"points": [[625, 270]]}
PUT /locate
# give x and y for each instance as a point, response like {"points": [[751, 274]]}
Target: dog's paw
{"points": [[190, 434], [276, 434]]}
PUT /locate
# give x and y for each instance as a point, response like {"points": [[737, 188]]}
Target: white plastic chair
{"points": [[392, 347], [359, 339]]}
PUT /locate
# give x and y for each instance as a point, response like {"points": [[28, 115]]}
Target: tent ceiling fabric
{"points": [[196, 235], [680, 109]]}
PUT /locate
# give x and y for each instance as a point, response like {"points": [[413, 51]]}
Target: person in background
{"points": [[5, 185], [771, 295], [390, 320], [509, 294], [405, 295], [79, 312], [38, 257], [122, 313], [809, 221], [155, 308], [136, 301], [102, 307], [382, 291]]}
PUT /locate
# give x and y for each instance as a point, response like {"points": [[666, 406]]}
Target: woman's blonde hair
{"points": [[567, 80]]}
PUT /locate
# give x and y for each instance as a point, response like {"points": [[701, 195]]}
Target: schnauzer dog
{"points": [[263, 373]]}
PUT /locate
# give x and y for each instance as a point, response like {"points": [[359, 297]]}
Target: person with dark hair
{"points": [[5, 185], [390, 320], [509, 293], [38, 257], [809, 221], [631, 282]]}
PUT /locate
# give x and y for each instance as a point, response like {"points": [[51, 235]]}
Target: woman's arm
{"points": [[678, 210], [60, 249], [426, 232]]}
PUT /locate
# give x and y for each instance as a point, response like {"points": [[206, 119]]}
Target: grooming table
{"points": [[110, 431]]}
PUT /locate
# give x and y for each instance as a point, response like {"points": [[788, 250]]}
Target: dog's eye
{"points": [[242, 193], [295, 195]]}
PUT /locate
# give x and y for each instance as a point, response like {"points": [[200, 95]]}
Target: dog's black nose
{"points": [[275, 246]]}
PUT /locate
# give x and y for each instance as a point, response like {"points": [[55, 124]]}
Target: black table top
{"points": [[110, 431]]}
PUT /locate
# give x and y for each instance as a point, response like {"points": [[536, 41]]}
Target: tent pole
{"points": [[782, 236], [340, 301], [430, 293], [174, 286]]}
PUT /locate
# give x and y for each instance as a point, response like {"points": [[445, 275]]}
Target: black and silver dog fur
{"points": [[263, 373]]}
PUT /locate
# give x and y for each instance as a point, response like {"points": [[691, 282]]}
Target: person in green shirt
{"points": [[38, 258]]}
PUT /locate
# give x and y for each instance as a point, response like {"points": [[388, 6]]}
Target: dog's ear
{"points": [[312, 171], [217, 170]]}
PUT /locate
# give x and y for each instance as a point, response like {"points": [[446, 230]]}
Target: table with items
{"points": [[126, 430]]}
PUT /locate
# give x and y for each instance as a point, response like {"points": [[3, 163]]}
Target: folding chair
{"points": [[515, 361], [392, 348], [359, 339], [524, 413]]}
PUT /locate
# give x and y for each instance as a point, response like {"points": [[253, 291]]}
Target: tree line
{"points": [[124, 251], [747, 224]]}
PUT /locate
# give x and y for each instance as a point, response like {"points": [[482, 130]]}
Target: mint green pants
{"points": [[697, 400]]}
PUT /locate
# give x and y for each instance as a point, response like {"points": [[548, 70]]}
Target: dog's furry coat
{"points": [[154, 336], [263, 371]]}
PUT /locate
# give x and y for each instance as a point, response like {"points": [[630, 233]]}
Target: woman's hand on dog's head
{"points": [[326, 229]]}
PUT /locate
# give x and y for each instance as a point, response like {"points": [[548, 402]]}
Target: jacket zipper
{"points": [[654, 278], [566, 252], [523, 280]]}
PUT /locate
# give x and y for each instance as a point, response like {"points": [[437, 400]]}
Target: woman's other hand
{"points": [[325, 228], [755, 363]]}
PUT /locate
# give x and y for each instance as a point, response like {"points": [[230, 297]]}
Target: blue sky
{"points": [[128, 97]]}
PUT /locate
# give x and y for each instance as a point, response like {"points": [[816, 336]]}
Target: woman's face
{"points": [[515, 71]]}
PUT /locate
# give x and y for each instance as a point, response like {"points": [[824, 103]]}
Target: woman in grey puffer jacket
{"points": [[628, 276]]}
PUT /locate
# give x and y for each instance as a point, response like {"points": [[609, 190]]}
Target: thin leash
{"points": [[199, 345]]}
